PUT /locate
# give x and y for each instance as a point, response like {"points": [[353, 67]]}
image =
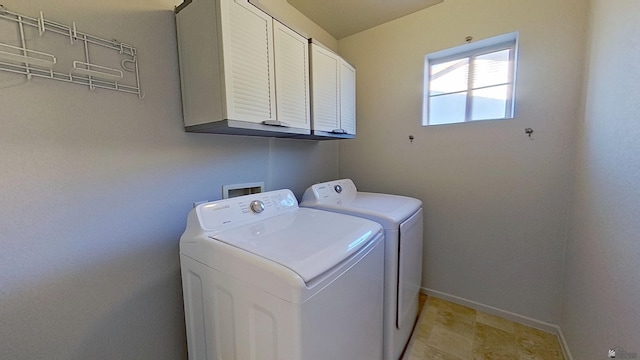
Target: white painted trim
{"points": [[565, 346], [471, 47], [525, 320]]}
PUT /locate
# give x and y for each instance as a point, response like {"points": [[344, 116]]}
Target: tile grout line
{"points": [[524, 320], [477, 318]]}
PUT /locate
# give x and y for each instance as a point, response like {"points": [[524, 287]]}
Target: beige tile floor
{"points": [[448, 331]]}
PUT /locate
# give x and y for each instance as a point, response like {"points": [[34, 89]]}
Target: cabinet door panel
{"points": [[325, 81], [292, 76], [347, 98], [248, 64]]}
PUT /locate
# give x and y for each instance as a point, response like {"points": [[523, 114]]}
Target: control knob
{"points": [[256, 206]]}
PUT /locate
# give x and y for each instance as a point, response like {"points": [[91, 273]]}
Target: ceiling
{"points": [[342, 18]]}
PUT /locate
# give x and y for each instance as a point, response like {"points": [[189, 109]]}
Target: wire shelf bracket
{"points": [[20, 59]]}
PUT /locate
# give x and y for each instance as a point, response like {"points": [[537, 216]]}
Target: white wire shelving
{"points": [[20, 59]]}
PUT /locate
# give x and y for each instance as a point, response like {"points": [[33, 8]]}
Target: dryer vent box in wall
{"points": [[233, 190]]}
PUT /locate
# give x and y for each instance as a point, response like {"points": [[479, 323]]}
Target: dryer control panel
{"points": [[331, 191]]}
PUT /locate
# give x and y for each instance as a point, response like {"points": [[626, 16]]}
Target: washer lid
{"points": [[307, 241]]}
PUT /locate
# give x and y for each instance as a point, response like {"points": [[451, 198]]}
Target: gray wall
{"points": [[95, 189], [496, 202], [96, 185], [601, 307]]}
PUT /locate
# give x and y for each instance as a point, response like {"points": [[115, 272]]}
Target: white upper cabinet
{"points": [[347, 98], [241, 71], [292, 77], [325, 89], [247, 48], [333, 94]]}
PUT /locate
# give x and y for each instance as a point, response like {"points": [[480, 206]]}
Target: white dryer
{"points": [[264, 279], [401, 218]]}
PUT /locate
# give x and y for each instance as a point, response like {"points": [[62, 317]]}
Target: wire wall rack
{"points": [[78, 67]]}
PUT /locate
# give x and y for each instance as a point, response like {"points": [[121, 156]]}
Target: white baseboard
{"points": [[525, 320], [565, 346]]}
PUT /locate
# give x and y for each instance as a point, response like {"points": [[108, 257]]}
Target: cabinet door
{"points": [[292, 77], [347, 98], [325, 89], [248, 62]]}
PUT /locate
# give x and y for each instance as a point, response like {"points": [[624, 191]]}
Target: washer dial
{"points": [[256, 206]]}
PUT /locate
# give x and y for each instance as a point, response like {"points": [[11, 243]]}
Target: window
{"points": [[471, 82]]}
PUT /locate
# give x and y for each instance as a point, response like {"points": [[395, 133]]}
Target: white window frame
{"points": [[471, 50]]}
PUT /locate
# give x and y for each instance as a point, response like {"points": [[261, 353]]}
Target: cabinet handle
{"points": [[338, 131], [276, 123]]}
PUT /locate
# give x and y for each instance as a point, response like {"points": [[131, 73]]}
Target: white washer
{"points": [[401, 218], [264, 279]]}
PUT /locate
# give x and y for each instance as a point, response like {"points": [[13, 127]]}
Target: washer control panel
{"points": [[256, 206], [246, 209]]}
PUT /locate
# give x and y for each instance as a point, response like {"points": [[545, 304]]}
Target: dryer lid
{"points": [[388, 210], [343, 197], [307, 241]]}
